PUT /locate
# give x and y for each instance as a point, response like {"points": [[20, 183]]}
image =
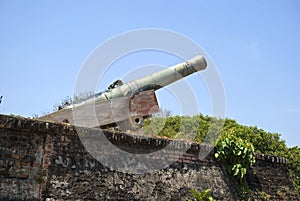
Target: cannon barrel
{"points": [[156, 80]]}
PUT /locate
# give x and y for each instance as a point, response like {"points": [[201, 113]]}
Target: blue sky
{"points": [[254, 44]]}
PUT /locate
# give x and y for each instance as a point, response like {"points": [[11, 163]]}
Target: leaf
{"points": [[245, 150], [227, 141], [204, 195], [195, 194], [243, 172]]}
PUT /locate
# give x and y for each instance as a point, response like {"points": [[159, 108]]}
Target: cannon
{"points": [[126, 104]]}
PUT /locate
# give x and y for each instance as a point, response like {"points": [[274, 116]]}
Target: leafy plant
{"points": [[293, 156], [237, 153], [202, 196]]}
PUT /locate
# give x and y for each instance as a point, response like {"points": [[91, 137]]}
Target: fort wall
{"points": [[47, 161]]}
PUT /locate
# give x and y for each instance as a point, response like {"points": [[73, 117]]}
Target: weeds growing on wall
{"points": [[238, 154], [202, 196]]}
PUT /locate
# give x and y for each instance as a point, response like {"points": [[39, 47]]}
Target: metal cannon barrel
{"points": [[156, 80]]}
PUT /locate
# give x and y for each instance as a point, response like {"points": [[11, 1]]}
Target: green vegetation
{"points": [[293, 155], [206, 129], [202, 196], [237, 153], [198, 128]]}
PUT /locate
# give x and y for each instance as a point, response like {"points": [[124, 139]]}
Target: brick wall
{"points": [[47, 161]]}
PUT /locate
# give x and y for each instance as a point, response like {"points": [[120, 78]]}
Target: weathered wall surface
{"points": [[270, 178], [21, 155], [47, 161]]}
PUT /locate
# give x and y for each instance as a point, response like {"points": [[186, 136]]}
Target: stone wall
{"points": [[47, 161]]}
